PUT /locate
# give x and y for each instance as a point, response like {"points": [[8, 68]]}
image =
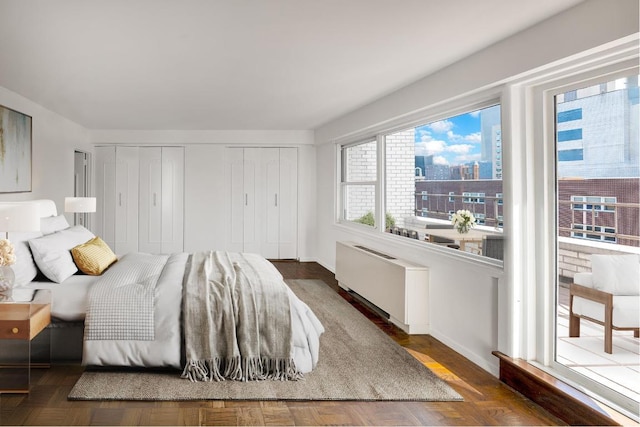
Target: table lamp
{"points": [[80, 206], [16, 216], [19, 216]]}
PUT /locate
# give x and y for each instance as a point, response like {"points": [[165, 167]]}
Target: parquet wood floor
{"points": [[487, 401]]}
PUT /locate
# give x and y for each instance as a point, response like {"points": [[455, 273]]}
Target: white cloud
{"points": [[441, 126], [425, 135], [475, 113], [440, 160], [459, 148], [427, 148], [475, 138], [466, 158]]}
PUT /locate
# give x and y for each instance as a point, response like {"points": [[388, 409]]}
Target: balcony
{"points": [[586, 226], [619, 371]]}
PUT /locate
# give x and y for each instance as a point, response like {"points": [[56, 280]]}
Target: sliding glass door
{"points": [[597, 222]]}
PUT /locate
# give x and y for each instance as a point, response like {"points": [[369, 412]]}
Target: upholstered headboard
{"points": [[47, 207]]}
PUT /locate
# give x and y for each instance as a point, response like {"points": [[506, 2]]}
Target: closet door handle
{"points": [[119, 199], [246, 199], [154, 199], [276, 199]]}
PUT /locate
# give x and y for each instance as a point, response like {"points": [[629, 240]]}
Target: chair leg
{"points": [[608, 329], [574, 325], [574, 321]]}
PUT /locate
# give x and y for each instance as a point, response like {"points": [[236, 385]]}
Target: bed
{"points": [[139, 312]]}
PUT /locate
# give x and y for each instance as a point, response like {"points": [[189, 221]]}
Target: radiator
{"points": [[396, 286]]}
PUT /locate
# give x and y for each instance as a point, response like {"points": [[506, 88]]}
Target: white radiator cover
{"points": [[396, 286]]}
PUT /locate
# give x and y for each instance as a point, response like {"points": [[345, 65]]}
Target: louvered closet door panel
{"points": [[106, 194], [150, 205], [126, 203], [234, 215], [288, 203], [253, 201], [270, 211], [172, 199]]}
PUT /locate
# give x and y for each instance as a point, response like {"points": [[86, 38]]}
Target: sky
{"points": [[453, 141]]}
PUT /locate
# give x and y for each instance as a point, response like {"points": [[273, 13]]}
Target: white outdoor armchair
{"points": [[609, 296]]}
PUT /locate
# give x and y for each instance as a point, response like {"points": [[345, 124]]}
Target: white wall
{"points": [[54, 140], [468, 309], [204, 218]]}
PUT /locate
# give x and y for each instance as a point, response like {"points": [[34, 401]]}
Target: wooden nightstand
{"points": [[21, 322]]}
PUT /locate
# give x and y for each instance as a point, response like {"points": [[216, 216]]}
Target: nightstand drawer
{"points": [[23, 321]]}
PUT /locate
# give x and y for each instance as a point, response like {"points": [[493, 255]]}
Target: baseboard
{"points": [[558, 398]]}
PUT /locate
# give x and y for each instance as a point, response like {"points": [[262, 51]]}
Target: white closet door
{"points": [[254, 200], [150, 206], [270, 158], [172, 200], [288, 204], [106, 194], [234, 200], [126, 200]]}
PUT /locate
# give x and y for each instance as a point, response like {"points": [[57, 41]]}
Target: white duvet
{"points": [[166, 348]]}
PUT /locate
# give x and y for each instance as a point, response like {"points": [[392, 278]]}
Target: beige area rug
{"points": [[357, 362]]}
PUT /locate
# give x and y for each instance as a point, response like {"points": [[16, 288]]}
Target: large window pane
{"points": [[359, 177], [438, 168], [598, 212], [359, 203]]}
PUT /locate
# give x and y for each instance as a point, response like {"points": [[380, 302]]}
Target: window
{"points": [[359, 181], [570, 155], [569, 135], [473, 198], [597, 211], [435, 169], [600, 232], [593, 203], [570, 115], [425, 167], [430, 172]]}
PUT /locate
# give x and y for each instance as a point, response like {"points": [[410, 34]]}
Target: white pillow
{"points": [[52, 253], [51, 224], [24, 268], [616, 274]]}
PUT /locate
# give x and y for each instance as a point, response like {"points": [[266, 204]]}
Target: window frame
{"points": [[473, 102], [539, 315], [343, 184]]}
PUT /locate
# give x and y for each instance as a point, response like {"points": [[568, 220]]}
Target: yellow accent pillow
{"points": [[93, 257]]}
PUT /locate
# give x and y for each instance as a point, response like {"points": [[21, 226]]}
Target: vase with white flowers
{"points": [[7, 259], [463, 220]]}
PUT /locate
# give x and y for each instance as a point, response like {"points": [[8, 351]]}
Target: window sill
{"points": [[389, 241]]}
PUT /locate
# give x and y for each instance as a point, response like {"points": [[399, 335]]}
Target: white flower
{"points": [[463, 219], [7, 255]]}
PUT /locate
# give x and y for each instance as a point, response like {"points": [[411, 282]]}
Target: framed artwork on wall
{"points": [[15, 151]]}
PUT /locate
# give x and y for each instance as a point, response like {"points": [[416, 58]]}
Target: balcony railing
{"points": [[614, 223], [486, 209]]}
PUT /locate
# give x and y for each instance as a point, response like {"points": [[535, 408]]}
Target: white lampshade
{"points": [[19, 216], [79, 204]]}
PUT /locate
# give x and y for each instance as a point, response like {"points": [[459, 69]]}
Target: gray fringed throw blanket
{"points": [[237, 320]]}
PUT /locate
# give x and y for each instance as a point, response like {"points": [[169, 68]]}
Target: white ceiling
{"points": [[238, 64]]}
